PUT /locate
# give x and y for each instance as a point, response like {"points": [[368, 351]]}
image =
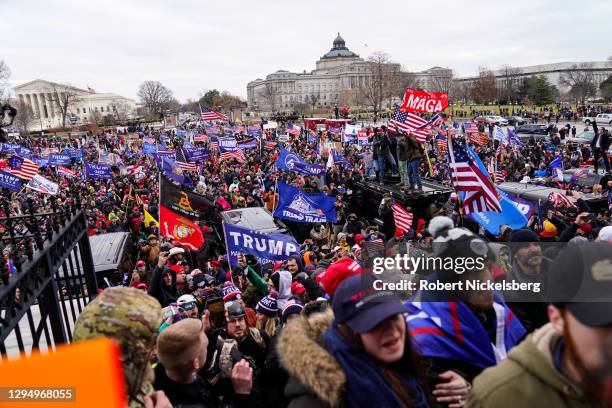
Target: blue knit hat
{"points": [[268, 306], [231, 292], [293, 306]]}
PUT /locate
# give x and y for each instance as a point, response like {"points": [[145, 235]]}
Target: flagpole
{"points": [[449, 143], [428, 161]]}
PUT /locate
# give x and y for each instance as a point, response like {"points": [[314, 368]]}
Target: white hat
{"points": [[525, 180], [176, 250], [605, 234], [336, 248]]}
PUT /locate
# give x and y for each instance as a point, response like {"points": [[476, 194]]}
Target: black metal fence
{"points": [[47, 277]]}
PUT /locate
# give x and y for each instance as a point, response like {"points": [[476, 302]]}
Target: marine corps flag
{"points": [[178, 210]]}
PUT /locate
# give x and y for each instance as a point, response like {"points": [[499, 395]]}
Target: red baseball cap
{"points": [[297, 288], [140, 263], [337, 273]]}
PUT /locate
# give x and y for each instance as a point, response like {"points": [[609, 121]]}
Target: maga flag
{"points": [[421, 101]]}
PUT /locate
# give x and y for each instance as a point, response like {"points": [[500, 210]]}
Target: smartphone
{"points": [[216, 308]]}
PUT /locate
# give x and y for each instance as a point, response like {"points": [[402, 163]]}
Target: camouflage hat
{"points": [[132, 318]]}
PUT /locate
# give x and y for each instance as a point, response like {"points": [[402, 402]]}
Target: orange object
{"points": [[83, 374]]}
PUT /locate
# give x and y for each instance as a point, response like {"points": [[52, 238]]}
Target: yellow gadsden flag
{"points": [[148, 218]]}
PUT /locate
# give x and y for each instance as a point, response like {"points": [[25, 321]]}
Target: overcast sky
{"points": [[193, 45]]}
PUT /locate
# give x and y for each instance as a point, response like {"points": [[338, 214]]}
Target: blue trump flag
{"points": [[174, 173], [9, 147], [341, 160], [9, 181], [41, 161], [194, 154], [557, 165], [292, 162], [97, 171], [149, 148], [296, 205], [514, 213], [57, 159], [266, 247]]}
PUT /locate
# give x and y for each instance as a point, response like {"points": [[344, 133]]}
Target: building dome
{"points": [[339, 49]]}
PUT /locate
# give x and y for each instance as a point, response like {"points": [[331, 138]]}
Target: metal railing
{"points": [[47, 279]]}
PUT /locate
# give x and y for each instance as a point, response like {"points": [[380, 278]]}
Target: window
{"points": [[114, 108], [96, 109]]}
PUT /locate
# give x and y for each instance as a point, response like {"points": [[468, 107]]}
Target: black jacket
{"points": [[164, 294], [605, 138], [198, 394]]}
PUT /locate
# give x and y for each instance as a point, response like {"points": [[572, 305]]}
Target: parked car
{"points": [[602, 119], [492, 120], [585, 137], [515, 120], [527, 131], [254, 218]]}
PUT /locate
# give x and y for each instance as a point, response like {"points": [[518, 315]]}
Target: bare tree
{"points": [[485, 87], [270, 95], [155, 96], [25, 116], [442, 81], [382, 81], [122, 111], [95, 118], [510, 83], [580, 81], [5, 74], [313, 99], [64, 98], [463, 91]]}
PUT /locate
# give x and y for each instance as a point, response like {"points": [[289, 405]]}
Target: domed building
{"points": [[340, 78]]}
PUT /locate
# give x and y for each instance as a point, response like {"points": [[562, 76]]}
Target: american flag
{"points": [[403, 219], [441, 142], [209, 114], [409, 121], [582, 173], [470, 127], [560, 200], [182, 161], [500, 176], [481, 194], [293, 129], [214, 143], [434, 121], [65, 171], [237, 154], [22, 167], [200, 137], [480, 139], [269, 145]]}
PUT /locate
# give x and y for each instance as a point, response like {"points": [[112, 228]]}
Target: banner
{"points": [[296, 205], [270, 125], [97, 171], [248, 144], [266, 247], [9, 147], [228, 143], [41, 161], [149, 148], [42, 185], [57, 159], [352, 129], [292, 162], [25, 153], [194, 154], [185, 203], [77, 153], [65, 171], [160, 156], [421, 101], [9, 181], [175, 173], [515, 213]]}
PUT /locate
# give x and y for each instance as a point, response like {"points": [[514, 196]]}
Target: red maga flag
{"points": [[421, 101]]}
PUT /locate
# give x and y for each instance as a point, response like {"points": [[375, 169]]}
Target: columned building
{"points": [[338, 78], [600, 70], [82, 106]]}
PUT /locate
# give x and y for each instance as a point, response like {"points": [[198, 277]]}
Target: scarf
{"points": [[450, 330], [365, 385]]}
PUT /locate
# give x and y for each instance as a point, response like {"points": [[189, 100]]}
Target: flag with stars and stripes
{"points": [[208, 114], [441, 142], [22, 167], [182, 161], [470, 127], [200, 137], [406, 121], [214, 142], [480, 193], [403, 219], [500, 176], [560, 200]]}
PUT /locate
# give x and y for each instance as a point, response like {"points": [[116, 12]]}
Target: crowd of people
{"points": [[308, 330]]}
